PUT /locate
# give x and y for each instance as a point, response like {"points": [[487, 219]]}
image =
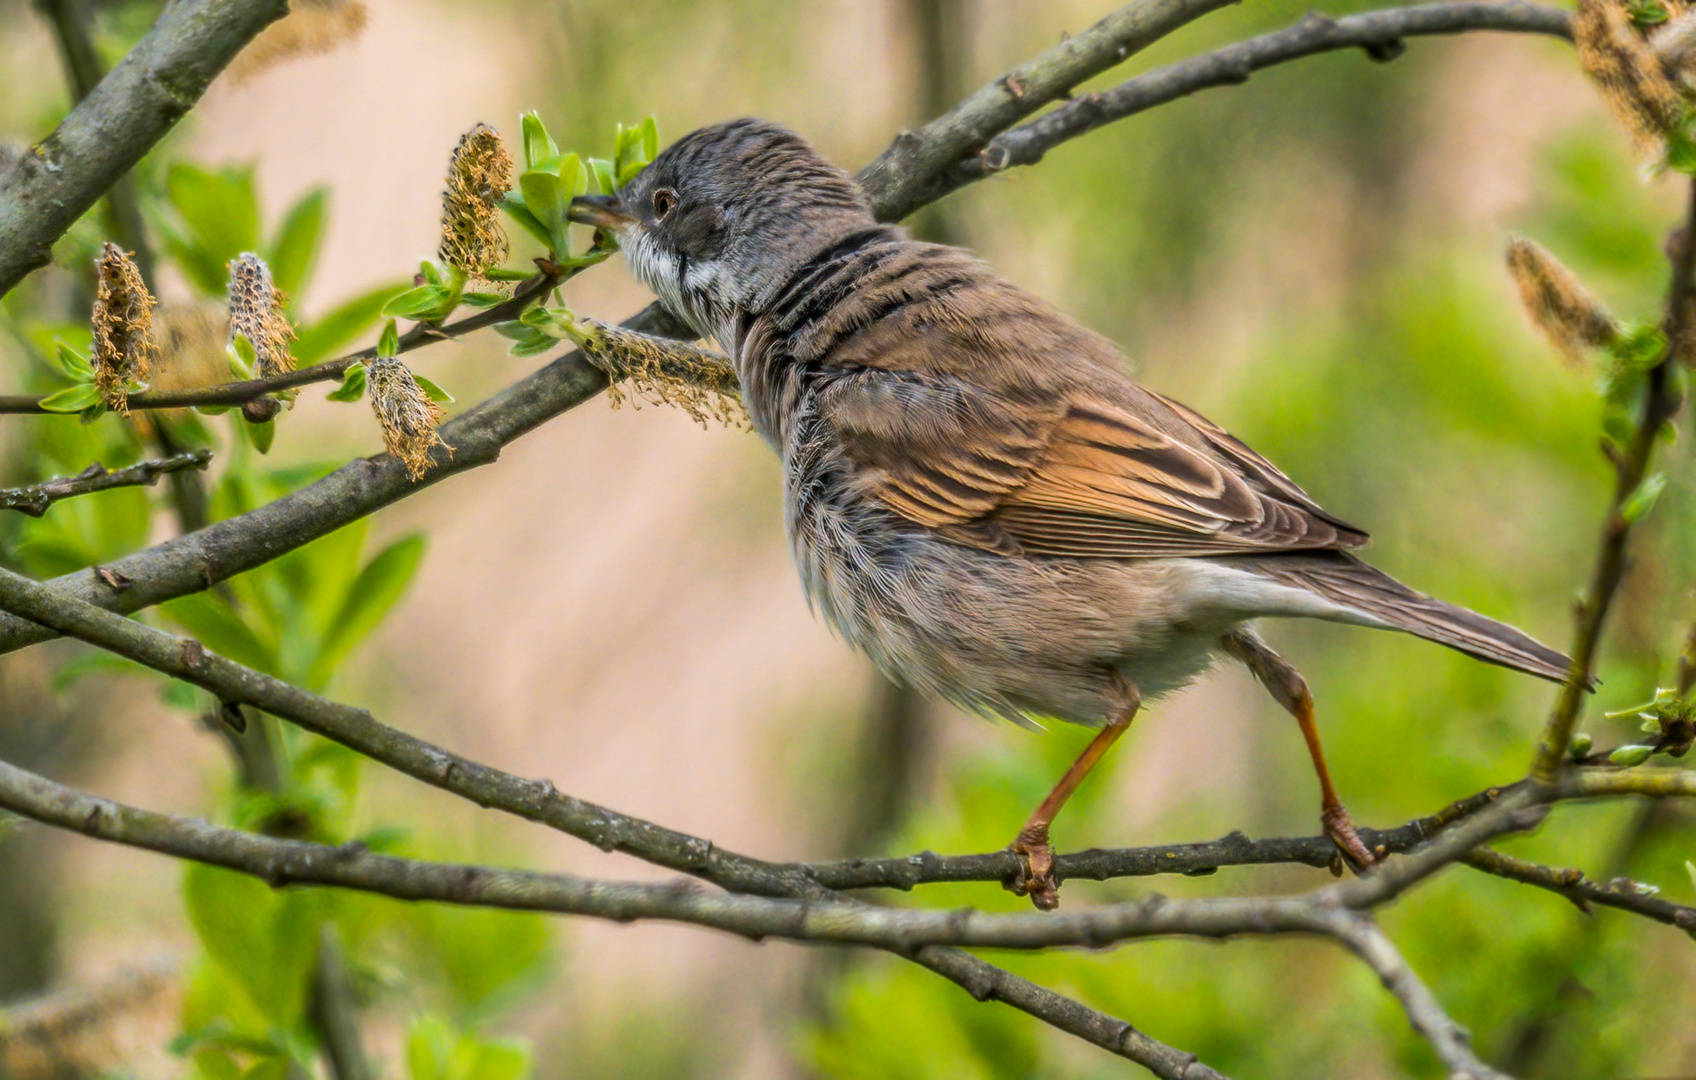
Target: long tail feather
{"points": [[1345, 580]]}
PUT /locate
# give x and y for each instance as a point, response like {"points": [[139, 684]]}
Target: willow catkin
{"points": [[479, 174], [1568, 314], [407, 415], [1635, 85], [124, 348], [256, 313], [642, 368]]}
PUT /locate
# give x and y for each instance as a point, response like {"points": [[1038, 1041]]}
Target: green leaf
{"points": [[496, 273], [422, 302], [1643, 500], [541, 344], [295, 247], [431, 272], [388, 343], [650, 139], [431, 390], [517, 331], [481, 300], [72, 399], [573, 179], [372, 595], [513, 203], [264, 939], [353, 385], [539, 146], [219, 211], [241, 357], [343, 324], [605, 175], [261, 435], [72, 363], [210, 619], [544, 196]]}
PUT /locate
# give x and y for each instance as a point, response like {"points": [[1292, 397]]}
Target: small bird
{"points": [[978, 495]]}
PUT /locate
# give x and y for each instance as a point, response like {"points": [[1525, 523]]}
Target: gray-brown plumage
{"points": [[978, 494]]}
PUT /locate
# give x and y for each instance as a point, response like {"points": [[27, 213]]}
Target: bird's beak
{"points": [[602, 211]]}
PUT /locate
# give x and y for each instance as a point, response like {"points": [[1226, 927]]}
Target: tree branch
{"points": [[235, 393], [132, 108], [36, 498], [1453, 1045], [1379, 33], [906, 175], [1621, 893]]}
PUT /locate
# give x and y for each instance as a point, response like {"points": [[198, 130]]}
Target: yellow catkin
{"points": [[659, 372], [256, 312], [408, 417], [479, 174], [1625, 67], [124, 349], [311, 28], [1568, 314]]}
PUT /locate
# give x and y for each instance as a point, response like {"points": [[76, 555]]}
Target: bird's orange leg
{"points": [[1032, 841], [1285, 684]]}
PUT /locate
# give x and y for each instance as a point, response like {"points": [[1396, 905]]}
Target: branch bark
{"points": [[162, 78], [36, 498], [1380, 34], [905, 176]]}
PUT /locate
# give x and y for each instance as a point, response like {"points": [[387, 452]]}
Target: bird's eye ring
{"points": [[665, 201]]}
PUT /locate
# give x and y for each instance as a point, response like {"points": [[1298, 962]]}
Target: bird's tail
{"points": [[1345, 580]]}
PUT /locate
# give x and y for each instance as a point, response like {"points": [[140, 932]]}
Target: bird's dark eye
{"points": [[665, 201]]}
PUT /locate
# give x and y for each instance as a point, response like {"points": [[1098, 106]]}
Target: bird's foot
{"points": [[1037, 856], [1341, 831]]}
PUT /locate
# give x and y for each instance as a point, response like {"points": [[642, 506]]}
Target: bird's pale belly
{"points": [[1019, 638]]}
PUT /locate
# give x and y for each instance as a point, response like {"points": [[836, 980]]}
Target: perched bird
{"points": [[978, 495]]}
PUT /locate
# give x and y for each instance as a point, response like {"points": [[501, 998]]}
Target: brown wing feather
{"points": [[1095, 481]]}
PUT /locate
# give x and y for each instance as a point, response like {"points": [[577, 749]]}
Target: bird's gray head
{"points": [[724, 216]]}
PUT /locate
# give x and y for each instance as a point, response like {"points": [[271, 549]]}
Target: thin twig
{"points": [[1660, 404], [1379, 33], [235, 393], [1622, 893], [36, 498]]}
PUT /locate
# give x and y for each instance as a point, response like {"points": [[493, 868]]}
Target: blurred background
{"points": [[1312, 260]]}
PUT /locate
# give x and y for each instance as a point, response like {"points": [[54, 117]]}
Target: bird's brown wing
{"points": [[1085, 478]]}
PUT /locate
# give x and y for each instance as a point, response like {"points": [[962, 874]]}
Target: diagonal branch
{"points": [[906, 175], [132, 108], [36, 498], [1380, 33], [1661, 401]]}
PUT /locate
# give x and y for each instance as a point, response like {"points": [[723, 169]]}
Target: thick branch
{"points": [[36, 498], [1379, 33], [908, 174], [161, 79]]}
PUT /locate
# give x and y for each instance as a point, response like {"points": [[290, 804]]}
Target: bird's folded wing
{"points": [[1086, 479]]}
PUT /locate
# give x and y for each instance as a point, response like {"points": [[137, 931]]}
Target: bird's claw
{"points": [[1037, 857], [1341, 831]]}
